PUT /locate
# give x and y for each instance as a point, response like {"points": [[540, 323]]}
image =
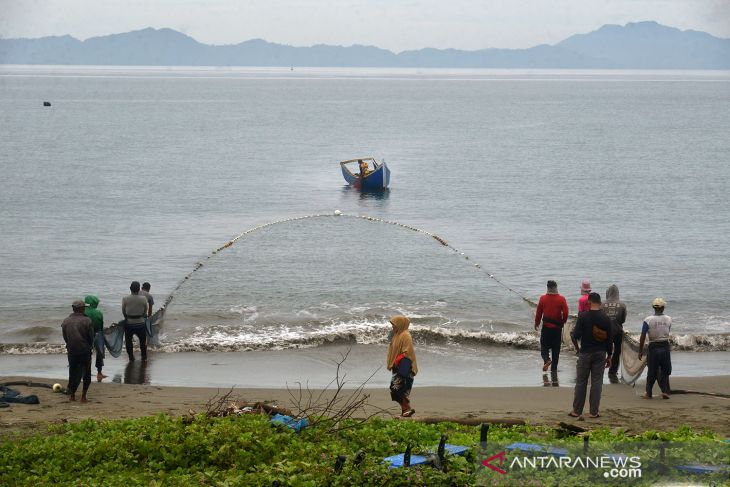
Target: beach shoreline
{"points": [[621, 407], [443, 365]]}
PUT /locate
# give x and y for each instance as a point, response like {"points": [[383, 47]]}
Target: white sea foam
{"points": [[248, 338]]}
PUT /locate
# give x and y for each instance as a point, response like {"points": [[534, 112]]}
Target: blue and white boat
{"points": [[366, 174]]}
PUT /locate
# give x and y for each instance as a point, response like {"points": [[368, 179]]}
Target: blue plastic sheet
{"points": [[295, 424]]}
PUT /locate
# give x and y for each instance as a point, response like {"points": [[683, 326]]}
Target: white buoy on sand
{"points": [[338, 213], [57, 388]]}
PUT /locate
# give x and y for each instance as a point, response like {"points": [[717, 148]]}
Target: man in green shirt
{"points": [[97, 321]]}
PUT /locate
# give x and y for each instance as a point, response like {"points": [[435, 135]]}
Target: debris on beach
{"points": [[224, 406]]}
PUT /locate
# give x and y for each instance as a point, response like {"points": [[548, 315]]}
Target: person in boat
{"points": [[552, 311], [402, 363], [364, 168], [97, 321], [593, 329], [658, 359], [616, 311]]}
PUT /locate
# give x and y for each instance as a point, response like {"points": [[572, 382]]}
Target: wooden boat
{"points": [[375, 177]]}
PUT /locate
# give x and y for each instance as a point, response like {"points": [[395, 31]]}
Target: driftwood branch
{"points": [[469, 421], [331, 406]]}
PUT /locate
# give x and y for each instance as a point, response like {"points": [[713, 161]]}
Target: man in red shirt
{"points": [[552, 311]]}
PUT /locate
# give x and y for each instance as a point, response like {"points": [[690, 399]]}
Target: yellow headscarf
{"points": [[402, 342]]}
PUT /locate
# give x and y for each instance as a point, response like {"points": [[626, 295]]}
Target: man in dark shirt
{"points": [[78, 333], [593, 329], [150, 300], [616, 311]]}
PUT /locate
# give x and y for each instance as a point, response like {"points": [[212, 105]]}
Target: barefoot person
{"points": [[658, 359], [78, 333], [402, 362], [593, 329], [552, 310], [97, 321]]}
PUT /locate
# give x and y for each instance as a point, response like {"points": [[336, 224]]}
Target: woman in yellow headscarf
{"points": [[402, 362]]}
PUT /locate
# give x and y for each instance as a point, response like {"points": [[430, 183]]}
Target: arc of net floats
{"points": [[338, 215]]}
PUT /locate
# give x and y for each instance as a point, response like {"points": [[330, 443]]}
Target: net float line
{"points": [[337, 214]]}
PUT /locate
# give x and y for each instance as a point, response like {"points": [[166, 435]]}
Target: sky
{"points": [[396, 25]]}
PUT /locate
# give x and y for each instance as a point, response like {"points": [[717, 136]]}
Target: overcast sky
{"points": [[392, 24]]}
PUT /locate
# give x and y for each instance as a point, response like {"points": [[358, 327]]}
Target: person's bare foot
{"points": [[573, 414], [645, 396], [100, 377], [72, 397], [665, 395], [83, 400]]}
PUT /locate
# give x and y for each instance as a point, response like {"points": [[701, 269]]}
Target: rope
{"points": [[27, 384], [337, 214], [457, 251], [700, 393]]}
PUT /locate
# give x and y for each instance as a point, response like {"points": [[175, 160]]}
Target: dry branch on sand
{"points": [[328, 407], [332, 405]]}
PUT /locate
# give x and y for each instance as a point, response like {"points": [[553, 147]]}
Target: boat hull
{"points": [[377, 180]]}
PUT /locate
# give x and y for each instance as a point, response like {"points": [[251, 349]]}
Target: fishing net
{"points": [[326, 275], [631, 366], [114, 339], [114, 335], [567, 330]]}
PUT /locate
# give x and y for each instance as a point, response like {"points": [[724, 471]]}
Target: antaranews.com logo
{"points": [[570, 462], [612, 466]]}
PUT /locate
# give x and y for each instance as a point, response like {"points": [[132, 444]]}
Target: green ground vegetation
{"points": [[248, 450]]}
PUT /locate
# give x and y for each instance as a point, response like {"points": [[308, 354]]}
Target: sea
{"points": [[222, 188]]}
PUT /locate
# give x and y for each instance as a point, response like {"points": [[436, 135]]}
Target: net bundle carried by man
{"points": [[631, 366]]}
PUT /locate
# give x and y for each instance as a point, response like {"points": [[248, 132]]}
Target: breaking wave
{"points": [[248, 338]]}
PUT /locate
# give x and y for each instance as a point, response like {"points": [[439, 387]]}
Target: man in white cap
{"points": [[658, 360], [78, 333]]}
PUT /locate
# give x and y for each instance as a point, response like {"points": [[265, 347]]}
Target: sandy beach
{"points": [[620, 408]]}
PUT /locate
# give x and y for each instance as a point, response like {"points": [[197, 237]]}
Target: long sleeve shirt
{"points": [[78, 333], [552, 310]]}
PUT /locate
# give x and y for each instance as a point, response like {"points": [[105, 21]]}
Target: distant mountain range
{"points": [[641, 45]]}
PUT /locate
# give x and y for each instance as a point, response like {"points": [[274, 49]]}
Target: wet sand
{"points": [[620, 407], [440, 365]]}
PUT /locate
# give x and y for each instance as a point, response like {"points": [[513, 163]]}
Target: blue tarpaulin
{"points": [[295, 424]]}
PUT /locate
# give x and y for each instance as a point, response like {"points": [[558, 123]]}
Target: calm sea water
{"points": [[139, 173]]}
